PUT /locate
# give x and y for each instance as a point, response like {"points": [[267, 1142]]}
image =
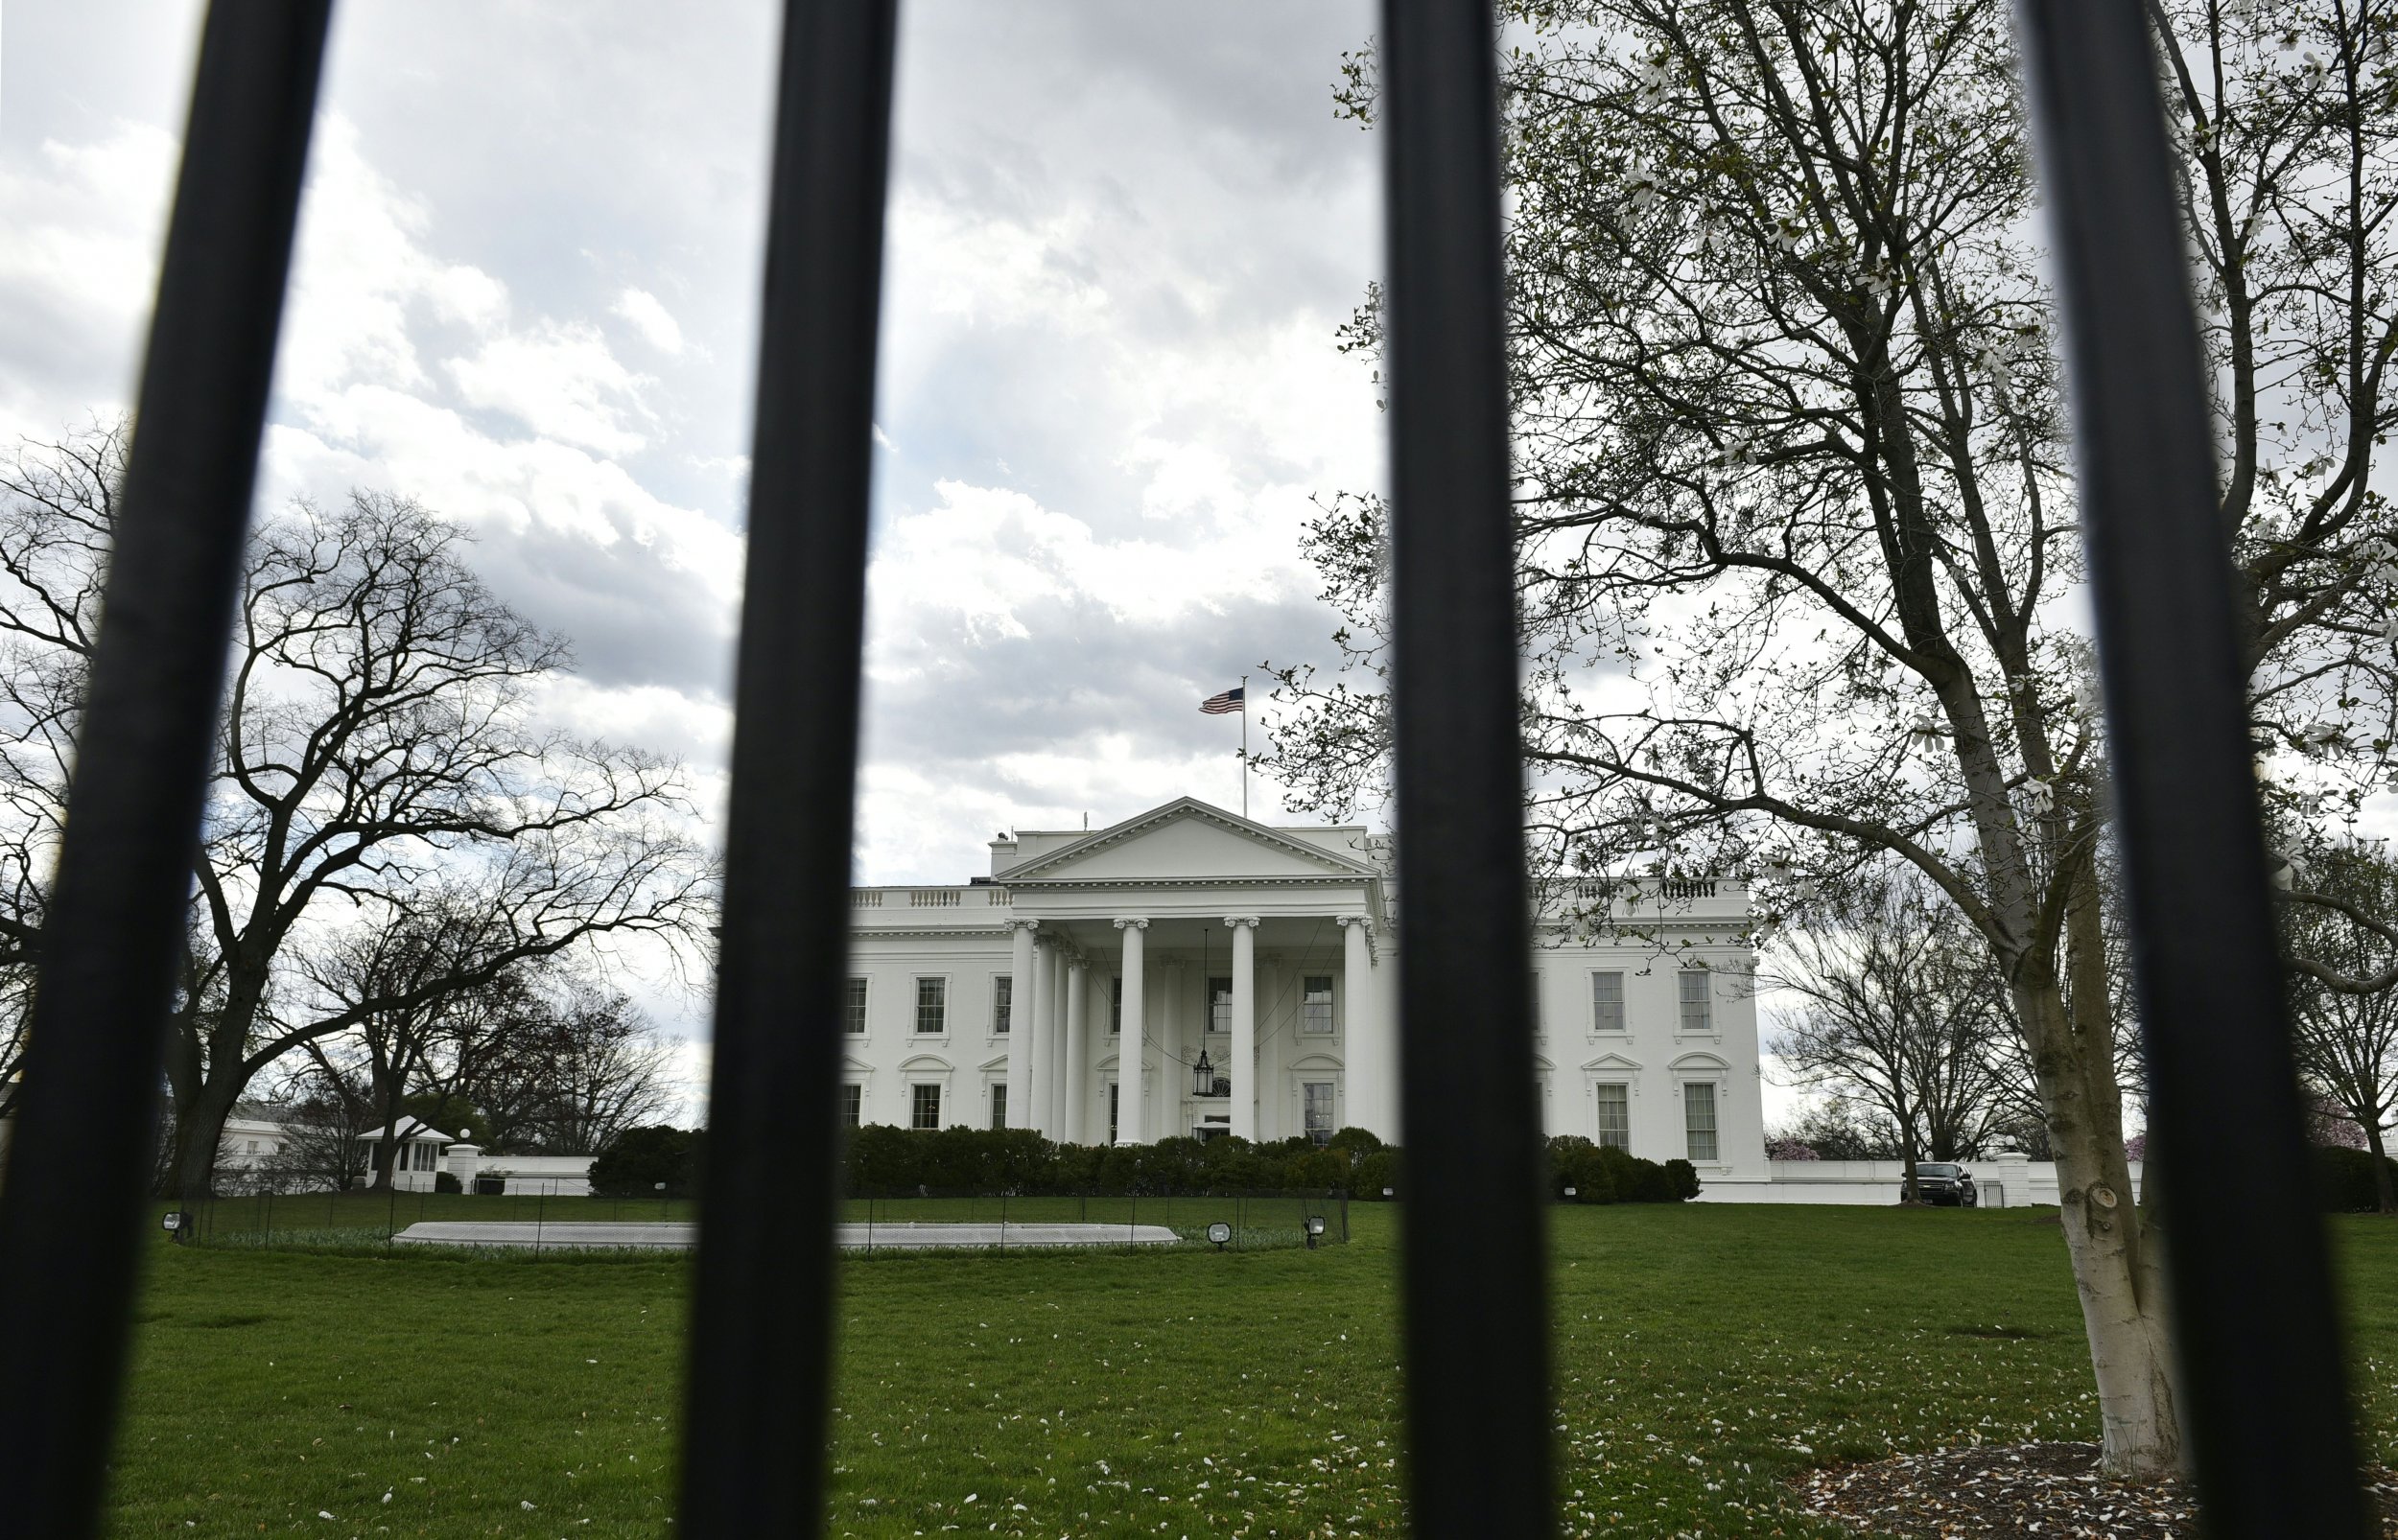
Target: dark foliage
{"points": [[2343, 1180], [637, 1159]]}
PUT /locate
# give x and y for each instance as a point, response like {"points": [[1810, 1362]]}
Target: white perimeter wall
{"points": [[2003, 1182]]}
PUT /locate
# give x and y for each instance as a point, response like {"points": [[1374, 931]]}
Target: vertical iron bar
{"points": [[70, 1231], [754, 1457], [1477, 1318], [2264, 1407]]}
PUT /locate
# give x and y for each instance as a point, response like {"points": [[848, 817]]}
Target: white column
{"points": [[1076, 1104], [1394, 1053], [1173, 1076], [1244, 1108], [1019, 999], [1130, 1050], [1365, 1044], [1032, 1020], [1054, 1042]]}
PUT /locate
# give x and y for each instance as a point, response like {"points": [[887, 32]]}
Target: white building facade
{"points": [[1191, 972]]}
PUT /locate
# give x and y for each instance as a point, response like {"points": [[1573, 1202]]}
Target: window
{"points": [[999, 1102], [933, 1005], [926, 1111], [1615, 1115], [854, 1006], [1697, 1009], [1116, 1010], [1316, 1110], [1219, 1005], [1607, 1002], [1698, 1115], [251, 1148], [852, 1105], [1115, 1100], [1003, 1008], [1315, 1005]]}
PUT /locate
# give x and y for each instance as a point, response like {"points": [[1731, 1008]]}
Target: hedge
{"points": [[887, 1162], [637, 1159], [2343, 1180]]}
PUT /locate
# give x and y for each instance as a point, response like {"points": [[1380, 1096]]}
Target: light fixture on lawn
{"points": [[1202, 1076], [1315, 1229], [1219, 1233]]}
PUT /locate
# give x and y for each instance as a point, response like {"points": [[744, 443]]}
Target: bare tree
{"points": [[2347, 1038], [1898, 1009], [604, 1066], [58, 505], [382, 976], [328, 1120], [380, 742]]}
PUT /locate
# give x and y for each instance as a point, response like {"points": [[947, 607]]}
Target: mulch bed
{"points": [[2024, 1492]]}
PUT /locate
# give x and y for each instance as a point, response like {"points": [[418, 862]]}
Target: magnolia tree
{"points": [[1798, 556]]}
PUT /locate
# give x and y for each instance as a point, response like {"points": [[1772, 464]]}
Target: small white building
{"points": [[419, 1157], [1256, 968]]}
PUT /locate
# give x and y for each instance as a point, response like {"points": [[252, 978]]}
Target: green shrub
{"points": [[1376, 1171], [2343, 1180], [1637, 1181], [1683, 1178], [1358, 1142], [444, 1182], [639, 1159]]}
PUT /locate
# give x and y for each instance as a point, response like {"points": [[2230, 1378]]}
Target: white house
{"points": [[1256, 968]]}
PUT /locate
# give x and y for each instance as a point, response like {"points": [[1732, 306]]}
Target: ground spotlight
{"points": [[1315, 1229], [1219, 1233]]}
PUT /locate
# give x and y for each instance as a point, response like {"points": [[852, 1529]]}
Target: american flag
{"points": [[1219, 705]]}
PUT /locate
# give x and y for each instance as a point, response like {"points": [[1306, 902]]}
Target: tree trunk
{"points": [[198, 1131], [1907, 1191], [2115, 1268], [2385, 1191]]}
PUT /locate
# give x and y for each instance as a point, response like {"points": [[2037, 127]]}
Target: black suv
{"points": [[1941, 1182]]}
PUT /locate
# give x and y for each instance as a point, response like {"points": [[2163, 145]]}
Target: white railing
{"points": [[866, 898], [934, 899]]}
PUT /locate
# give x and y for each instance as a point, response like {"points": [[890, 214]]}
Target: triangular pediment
{"points": [[1186, 839]]}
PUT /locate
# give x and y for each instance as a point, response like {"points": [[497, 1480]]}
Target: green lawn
{"points": [[1703, 1353]]}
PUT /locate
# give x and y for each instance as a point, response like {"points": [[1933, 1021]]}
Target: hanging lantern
{"points": [[1202, 1076]]}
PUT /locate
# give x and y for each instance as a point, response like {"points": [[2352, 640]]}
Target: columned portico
{"points": [[1244, 929], [1132, 1116], [1298, 1008], [1020, 1015]]}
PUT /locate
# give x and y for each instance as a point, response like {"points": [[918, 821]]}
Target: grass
{"points": [[1702, 1355]]}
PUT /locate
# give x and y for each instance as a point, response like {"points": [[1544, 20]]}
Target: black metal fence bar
{"points": [[69, 1219], [2265, 1407], [755, 1451], [1476, 1329]]}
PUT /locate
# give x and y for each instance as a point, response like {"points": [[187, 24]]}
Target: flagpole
{"points": [[1244, 745]]}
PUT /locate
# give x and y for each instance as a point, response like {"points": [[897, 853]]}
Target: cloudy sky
{"points": [[1121, 238]]}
